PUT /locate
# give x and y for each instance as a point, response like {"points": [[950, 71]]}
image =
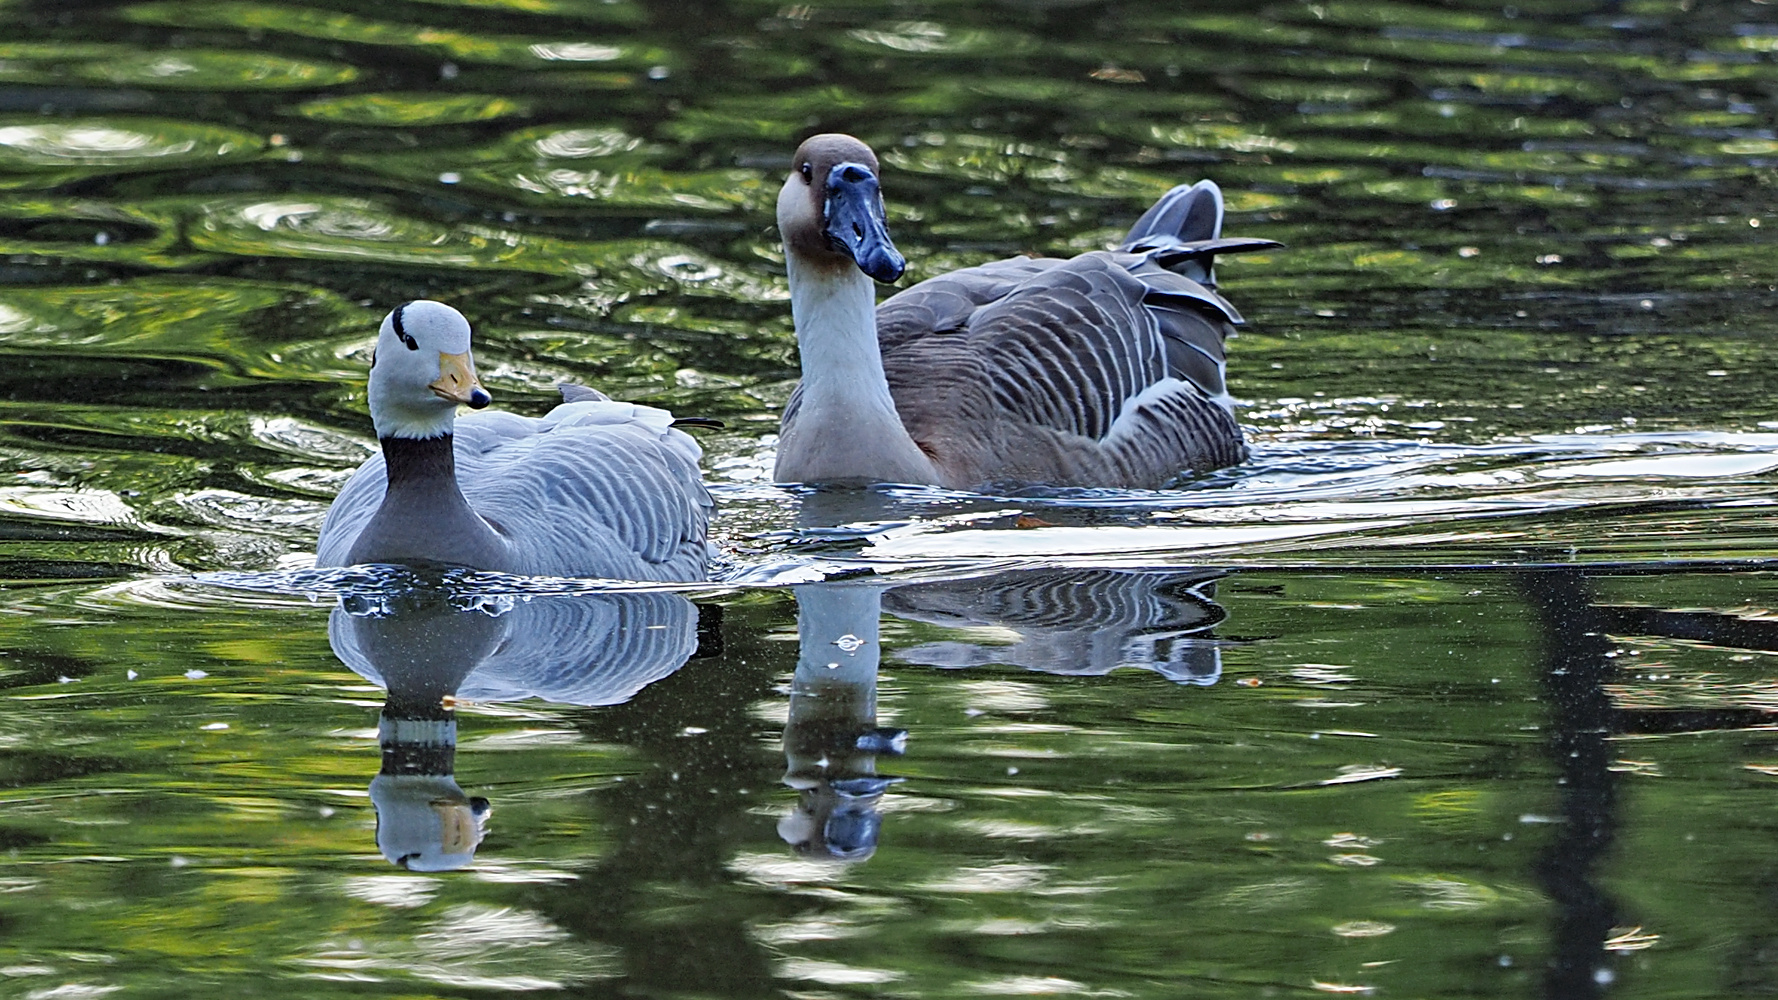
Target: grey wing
{"points": [[946, 303], [593, 493], [1108, 364], [574, 392], [351, 511]]}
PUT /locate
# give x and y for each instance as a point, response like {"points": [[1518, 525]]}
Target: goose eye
{"points": [[807, 171]]}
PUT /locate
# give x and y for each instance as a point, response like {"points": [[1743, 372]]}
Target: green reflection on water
{"points": [[1500, 228], [46, 151], [194, 69], [410, 109], [216, 70], [334, 26], [1296, 817]]}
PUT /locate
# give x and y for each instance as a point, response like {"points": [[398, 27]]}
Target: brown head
{"points": [[830, 211]]}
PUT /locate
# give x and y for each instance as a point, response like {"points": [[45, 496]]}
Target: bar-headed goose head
{"points": [[422, 371]]}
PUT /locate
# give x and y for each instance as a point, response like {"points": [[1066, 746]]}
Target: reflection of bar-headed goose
{"points": [[593, 488], [1104, 370], [583, 649]]}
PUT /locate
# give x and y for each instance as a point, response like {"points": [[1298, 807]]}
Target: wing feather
{"points": [[1063, 371]]}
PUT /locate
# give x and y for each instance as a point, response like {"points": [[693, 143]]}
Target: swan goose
{"points": [[1105, 370], [593, 488]]}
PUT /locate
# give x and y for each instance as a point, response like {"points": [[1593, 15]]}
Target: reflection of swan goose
{"points": [[831, 738], [1104, 370], [1081, 622], [593, 488]]}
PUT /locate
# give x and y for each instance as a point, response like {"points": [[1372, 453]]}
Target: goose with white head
{"points": [[593, 488], [1103, 370]]}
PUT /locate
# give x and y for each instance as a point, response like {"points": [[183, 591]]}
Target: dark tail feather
{"points": [[1188, 213], [1195, 260], [709, 423], [1183, 231]]}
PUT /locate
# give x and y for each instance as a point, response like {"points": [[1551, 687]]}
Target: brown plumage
{"points": [[1104, 370]]}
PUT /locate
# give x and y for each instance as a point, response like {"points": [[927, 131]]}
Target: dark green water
{"points": [[1462, 686]]}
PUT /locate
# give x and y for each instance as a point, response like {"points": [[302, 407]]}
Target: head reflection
{"points": [[431, 649]]}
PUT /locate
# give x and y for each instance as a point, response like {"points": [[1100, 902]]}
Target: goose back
{"points": [[1106, 369]]}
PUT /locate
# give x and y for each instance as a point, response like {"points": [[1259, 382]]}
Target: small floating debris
{"points": [[1362, 772], [1628, 939], [1342, 988], [1363, 929]]}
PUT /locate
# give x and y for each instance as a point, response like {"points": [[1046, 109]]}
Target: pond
{"points": [[1461, 685]]}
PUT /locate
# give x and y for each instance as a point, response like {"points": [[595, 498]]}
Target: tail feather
{"points": [[1183, 230], [1188, 213]]}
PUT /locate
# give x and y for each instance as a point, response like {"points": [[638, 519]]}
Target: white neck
{"points": [[837, 630], [835, 310], [847, 428], [410, 415]]}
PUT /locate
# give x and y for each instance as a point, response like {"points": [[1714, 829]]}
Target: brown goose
{"points": [[1105, 370]]}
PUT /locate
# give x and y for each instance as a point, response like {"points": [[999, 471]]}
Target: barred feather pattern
{"points": [[1071, 622], [1103, 370]]}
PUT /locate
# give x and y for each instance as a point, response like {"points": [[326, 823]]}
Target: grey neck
{"points": [[424, 519]]}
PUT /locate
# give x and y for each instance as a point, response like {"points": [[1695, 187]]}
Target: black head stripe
{"points": [[401, 333]]}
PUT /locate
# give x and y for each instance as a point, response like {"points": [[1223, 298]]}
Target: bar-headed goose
{"points": [[1103, 371], [593, 488]]}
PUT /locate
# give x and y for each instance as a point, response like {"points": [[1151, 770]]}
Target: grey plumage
{"points": [[1081, 623], [590, 489], [582, 649]]}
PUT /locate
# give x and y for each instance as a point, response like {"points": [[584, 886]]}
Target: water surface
{"points": [[1459, 686]]}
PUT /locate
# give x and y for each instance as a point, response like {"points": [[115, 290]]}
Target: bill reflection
{"points": [[832, 740], [432, 650]]}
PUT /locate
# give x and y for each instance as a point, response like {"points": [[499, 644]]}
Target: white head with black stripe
{"points": [[422, 371]]}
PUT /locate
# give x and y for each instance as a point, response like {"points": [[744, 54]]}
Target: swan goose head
{"points": [[421, 371], [830, 210]]}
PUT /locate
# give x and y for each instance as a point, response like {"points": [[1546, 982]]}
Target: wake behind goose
{"points": [[1106, 370]]}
